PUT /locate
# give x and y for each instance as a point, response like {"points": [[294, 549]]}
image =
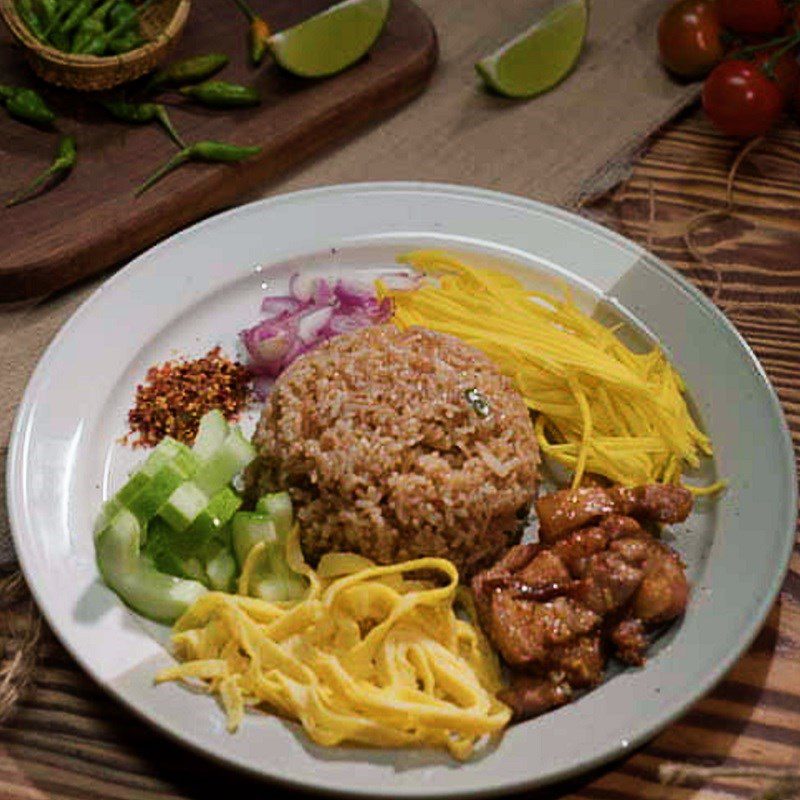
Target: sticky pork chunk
{"points": [[555, 610], [561, 512]]}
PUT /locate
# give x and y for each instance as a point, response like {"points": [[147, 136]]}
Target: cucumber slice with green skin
{"points": [[143, 491], [221, 570], [183, 506], [247, 530], [272, 577], [278, 507], [211, 523], [135, 579], [220, 467], [211, 434], [160, 488], [162, 550]]}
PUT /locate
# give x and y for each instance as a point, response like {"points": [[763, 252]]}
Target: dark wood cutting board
{"points": [[92, 220]]}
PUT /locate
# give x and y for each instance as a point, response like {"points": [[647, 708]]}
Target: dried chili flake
{"points": [[176, 394]]}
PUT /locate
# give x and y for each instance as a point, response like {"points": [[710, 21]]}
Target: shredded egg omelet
{"points": [[372, 656]]}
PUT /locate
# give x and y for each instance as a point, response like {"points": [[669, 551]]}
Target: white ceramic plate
{"points": [[200, 287]]}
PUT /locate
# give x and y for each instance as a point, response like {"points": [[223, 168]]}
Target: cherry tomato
{"points": [[786, 71], [741, 100], [752, 16], [689, 38]]}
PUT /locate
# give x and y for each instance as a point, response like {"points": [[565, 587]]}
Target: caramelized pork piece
{"points": [[530, 634], [567, 510], [655, 502], [664, 591], [555, 609], [528, 696], [570, 509], [630, 641], [608, 583]]}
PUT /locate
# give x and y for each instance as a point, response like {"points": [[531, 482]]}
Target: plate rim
{"points": [[15, 464]]}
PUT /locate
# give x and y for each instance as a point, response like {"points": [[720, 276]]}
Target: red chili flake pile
{"points": [[176, 394]]}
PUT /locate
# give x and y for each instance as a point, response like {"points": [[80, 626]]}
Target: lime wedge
{"points": [[331, 41], [542, 56]]}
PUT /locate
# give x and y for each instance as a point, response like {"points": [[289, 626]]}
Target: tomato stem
{"points": [[757, 48], [771, 62]]}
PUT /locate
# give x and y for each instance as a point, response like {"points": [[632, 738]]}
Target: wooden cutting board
{"points": [[92, 220]]}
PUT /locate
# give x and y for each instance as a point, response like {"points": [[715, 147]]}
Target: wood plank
{"points": [[100, 223]]}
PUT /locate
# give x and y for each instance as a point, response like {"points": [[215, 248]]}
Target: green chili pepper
{"points": [[66, 156], [121, 12], [141, 113], [64, 11], [258, 34], [78, 14], [189, 70], [60, 40], [47, 11], [102, 11], [123, 26], [213, 152], [127, 42], [30, 18], [88, 33], [97, 44], [27, 105], [221, 94]]}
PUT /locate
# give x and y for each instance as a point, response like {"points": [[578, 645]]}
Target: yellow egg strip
{"points": [[370, 656]]}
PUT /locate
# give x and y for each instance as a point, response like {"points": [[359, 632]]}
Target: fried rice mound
{"points": [[376, 439]]}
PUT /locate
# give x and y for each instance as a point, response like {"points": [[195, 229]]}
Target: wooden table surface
{"points": [[69, 740]]}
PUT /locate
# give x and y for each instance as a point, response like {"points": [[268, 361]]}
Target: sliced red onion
{"points": [[311, 325], [351, 292], [315, 310], [280, 307]]}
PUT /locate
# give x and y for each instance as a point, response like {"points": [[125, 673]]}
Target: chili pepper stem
{"points": [[173, 163], [245, 8], [259, 36], [166, 123]]}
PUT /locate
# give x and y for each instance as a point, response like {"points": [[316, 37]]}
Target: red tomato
{"points": [[752, 16], [689, 38], [786, 71], [741, 100]]}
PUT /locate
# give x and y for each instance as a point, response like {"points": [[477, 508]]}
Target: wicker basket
{"points": [[162, 24]]}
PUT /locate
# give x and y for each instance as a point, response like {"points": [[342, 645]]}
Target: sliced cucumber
{"points": [[221, 466], [184, 505], [221, 570], [143, 492], [278, 507], [215, 516], [167, 556], [134, 485], [134, 578], [273, 579], [211, 434], [247, 530], [159, 489]]}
